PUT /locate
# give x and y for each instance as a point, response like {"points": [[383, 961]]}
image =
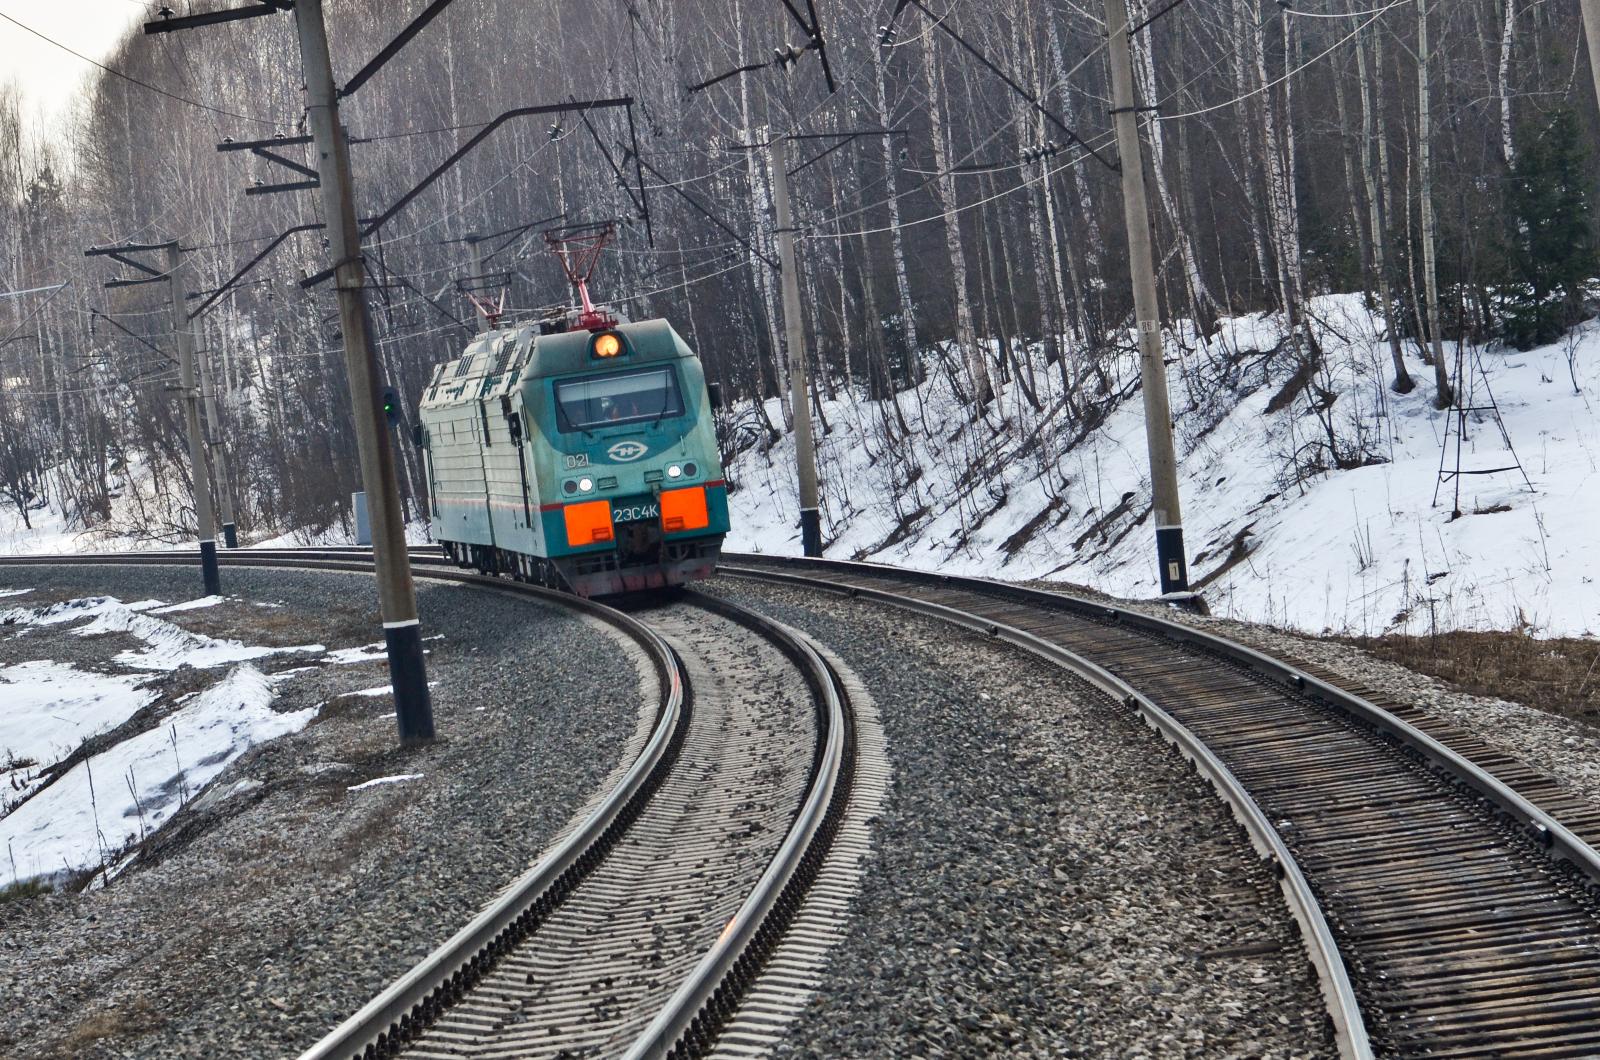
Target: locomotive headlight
{"points": [[607, 344], [585, 485], [673, 471]]}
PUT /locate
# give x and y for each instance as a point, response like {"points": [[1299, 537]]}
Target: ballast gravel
{"points": [[279, 902], [1048, 878]]}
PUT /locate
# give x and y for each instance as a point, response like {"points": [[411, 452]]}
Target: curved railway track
{"points": [[1448, 896], [640, 932], [1458, 918]]}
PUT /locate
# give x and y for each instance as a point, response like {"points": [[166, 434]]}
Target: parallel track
{"points": [[640, 932], [1466, 918], [1446, 913]]}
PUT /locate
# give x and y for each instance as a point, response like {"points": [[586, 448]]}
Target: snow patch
{"points": [[191, 605], [398, 779], [172, 646], [129, 790], [366, 653], [47, 709]]}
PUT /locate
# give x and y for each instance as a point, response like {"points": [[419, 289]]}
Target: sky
{"points": [[49, 77]]}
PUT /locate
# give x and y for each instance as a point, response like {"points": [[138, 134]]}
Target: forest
{"points": [[957, 199]]}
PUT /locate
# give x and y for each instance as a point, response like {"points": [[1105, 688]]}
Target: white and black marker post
{"points": [[805, 455], [191, 415], [402, 632], [1147, 310]]}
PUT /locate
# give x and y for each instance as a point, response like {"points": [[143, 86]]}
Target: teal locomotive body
{"points": [[581, 459]]}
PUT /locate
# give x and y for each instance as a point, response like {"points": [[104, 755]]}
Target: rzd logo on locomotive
{"points": [[627, 452]]}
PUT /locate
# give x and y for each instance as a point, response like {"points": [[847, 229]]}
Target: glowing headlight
{"points": [[585, 484], [673, 470]]}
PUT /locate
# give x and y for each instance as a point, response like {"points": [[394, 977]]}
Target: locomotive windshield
{"points": [[618, 397]]}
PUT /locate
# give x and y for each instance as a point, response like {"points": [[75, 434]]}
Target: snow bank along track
{"points": [[642, 930], [1446, 914]]}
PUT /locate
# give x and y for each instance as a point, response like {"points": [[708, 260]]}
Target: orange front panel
{"points": [[588, 523], [684, 510]]}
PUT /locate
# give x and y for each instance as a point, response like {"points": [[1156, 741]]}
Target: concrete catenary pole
{"points": [[805, 454], [402, 631], [1591, 30], [1147, 310], [191, 415], [219, 457]]}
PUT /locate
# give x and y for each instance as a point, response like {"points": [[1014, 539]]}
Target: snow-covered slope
{"points": [[1363, 550]]}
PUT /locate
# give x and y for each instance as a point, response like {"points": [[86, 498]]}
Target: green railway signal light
{"points": [[391, 407]]}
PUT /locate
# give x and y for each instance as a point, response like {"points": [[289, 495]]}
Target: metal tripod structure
{"points": [[1456, 424]]}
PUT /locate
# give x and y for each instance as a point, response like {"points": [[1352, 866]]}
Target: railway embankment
{"points": [[325, 862]]}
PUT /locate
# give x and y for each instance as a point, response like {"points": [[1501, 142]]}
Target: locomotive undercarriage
{"points": [[640, 561]]}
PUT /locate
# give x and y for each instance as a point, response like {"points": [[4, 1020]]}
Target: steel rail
{"points": [[1344, 1011], [1557, 840], [688, 1024], [413, 999], [690, 1021]]}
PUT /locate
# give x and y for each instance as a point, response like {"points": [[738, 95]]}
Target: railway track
{"points": [[1448, 896], [642, 930], [1451, 916]]}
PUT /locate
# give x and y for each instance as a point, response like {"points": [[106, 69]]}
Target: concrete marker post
{"points": [[204, 518], [402, 630], [805, 455], [1170, 559]]}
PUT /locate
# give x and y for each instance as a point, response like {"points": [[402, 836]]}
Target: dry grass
{"points": [[284, 627], [1561, 676], [16, 892], [135, 1018]]}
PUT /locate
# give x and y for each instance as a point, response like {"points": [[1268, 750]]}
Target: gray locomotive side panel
{"points": [[460, 489], [513, 514]]}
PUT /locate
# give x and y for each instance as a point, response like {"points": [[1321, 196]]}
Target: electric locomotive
{"points": [[577, 452]]}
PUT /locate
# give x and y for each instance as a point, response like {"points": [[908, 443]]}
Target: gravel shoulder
{"points": [[280, 901], [1048, 879]]}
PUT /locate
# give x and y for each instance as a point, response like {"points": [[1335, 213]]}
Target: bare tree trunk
{"points": [[1508, 37], [1377, 206], [1202, 306], [1430, 279], [902, 281], [966, 335]]}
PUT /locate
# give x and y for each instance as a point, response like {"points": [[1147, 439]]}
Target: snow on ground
{"points": [[127, 791], [49, 709], [366, 653], [170, 645], [1359, 551], [191, 605], [400, 778]]}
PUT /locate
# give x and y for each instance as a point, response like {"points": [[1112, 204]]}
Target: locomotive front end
{"points": [[635, 497]]}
